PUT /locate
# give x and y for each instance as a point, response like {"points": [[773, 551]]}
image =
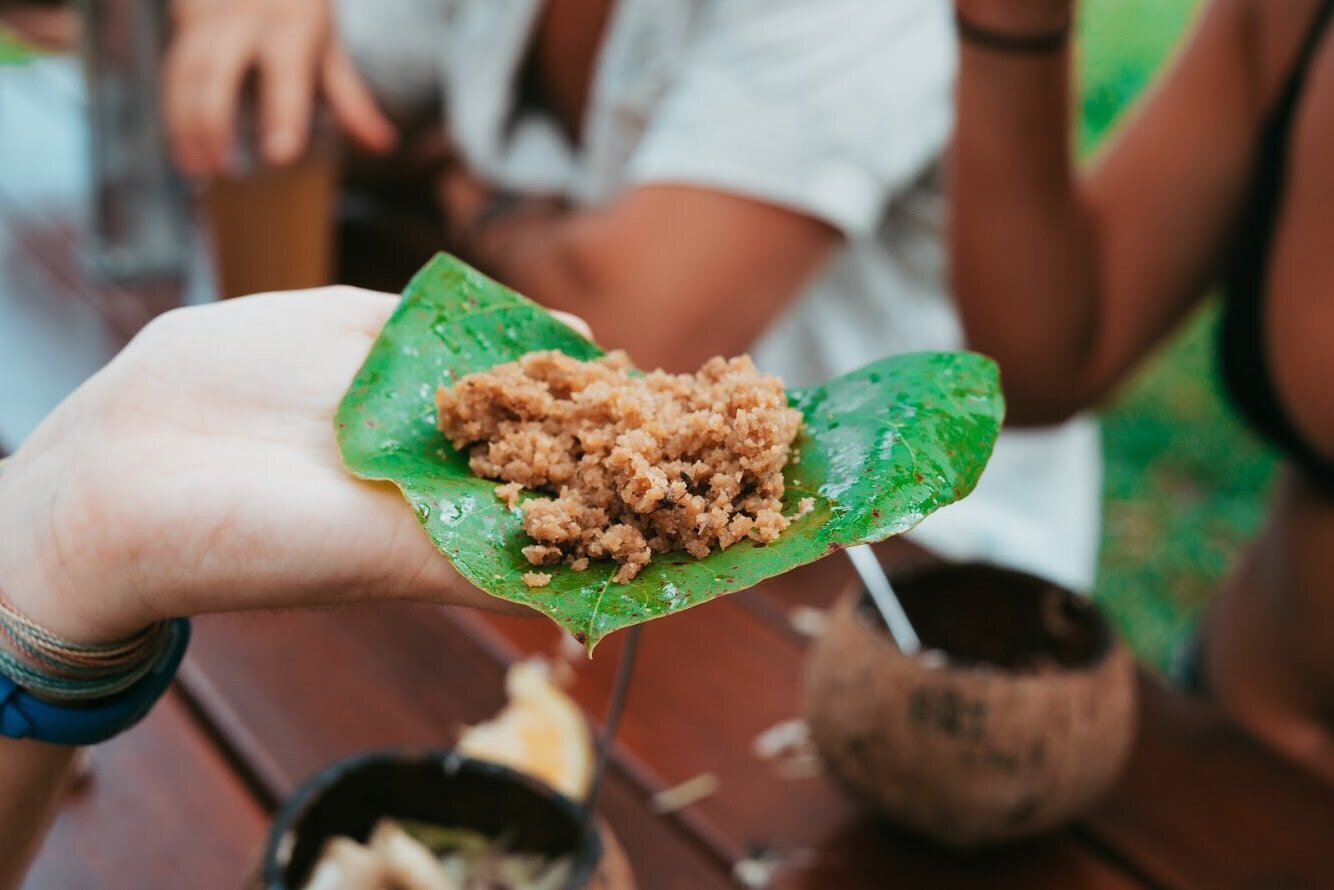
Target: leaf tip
{"points": [[588, 642]]}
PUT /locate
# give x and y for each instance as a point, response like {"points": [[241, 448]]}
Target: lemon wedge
{"points": [[540, 732]]}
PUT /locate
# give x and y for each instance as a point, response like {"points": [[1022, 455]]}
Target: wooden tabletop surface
{"points": [[265, 700]]}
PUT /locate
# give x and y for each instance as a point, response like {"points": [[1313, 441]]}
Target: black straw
{"points": [[620, 690]]}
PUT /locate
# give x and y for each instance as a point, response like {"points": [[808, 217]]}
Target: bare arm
{"points": [[32, 775], [1066, 279], [672, 274], [178, 481]]}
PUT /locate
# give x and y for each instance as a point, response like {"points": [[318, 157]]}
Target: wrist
{"points": [[25, 558], [37, 576], [1009, 16], [89, 709]]}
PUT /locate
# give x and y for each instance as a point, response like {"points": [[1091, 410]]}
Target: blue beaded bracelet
{"points": [[24, 716]]}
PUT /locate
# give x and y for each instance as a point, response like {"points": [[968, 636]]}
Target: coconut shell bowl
{"points": [[1016, 717], [443, 788]]}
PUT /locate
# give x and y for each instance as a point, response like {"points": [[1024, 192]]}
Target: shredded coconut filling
{"points": [[637, 464]]}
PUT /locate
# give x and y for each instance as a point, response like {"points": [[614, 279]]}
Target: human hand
{"points": [[479, 215], [198, 472], [294, 48]]}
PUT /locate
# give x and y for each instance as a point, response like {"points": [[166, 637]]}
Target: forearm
{"points": [[673, 274], [32, 775], [1023, 254], [638, 293]]}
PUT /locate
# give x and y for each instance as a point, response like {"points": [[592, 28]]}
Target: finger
{"points": [[575, 322], [352, 104], [178, 78], [287, 91], [402, 563], [370, 309], [204, 73], [338, 307], [441, 583]]}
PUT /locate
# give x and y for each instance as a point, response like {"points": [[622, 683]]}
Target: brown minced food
{"points": [[637, 464]]}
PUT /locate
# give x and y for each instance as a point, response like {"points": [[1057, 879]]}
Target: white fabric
{"points": [[838, 109]]}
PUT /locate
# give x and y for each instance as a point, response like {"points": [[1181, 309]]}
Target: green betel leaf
{"points": [[880, 449]]}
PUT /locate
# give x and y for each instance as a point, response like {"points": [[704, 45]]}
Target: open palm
{"points": [[198, 472]]}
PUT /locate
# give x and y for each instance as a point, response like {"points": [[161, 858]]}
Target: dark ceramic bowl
{"points": [[440, 787]]}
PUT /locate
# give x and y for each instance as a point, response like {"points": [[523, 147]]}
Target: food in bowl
{"points": [[422, 856]]}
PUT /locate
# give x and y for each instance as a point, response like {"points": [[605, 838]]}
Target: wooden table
{"points": [[263, 701], [266, 700]]}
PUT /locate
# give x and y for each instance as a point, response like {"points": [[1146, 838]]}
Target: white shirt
{"points": [[839, 110]]}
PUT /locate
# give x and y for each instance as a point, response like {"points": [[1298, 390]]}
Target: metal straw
{"points": [[886, 601], [619, 691]]}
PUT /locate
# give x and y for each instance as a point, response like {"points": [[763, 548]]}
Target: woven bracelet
{"points": [[1008, 42], [58, 670]]}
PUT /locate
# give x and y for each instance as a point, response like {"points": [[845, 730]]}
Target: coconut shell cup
{"points": [[443, 788], [1018, 715]]}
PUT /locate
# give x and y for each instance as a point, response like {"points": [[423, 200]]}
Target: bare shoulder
{"points": [[1216, 90], [1274, 35]]}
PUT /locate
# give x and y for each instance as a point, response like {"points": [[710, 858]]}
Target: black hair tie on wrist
{"points": [[1006, 42]]}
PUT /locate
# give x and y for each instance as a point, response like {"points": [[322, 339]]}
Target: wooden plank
{"points": [[1204, 805], [1201, 804], [708, 681], [162, 809], [292, 692]]}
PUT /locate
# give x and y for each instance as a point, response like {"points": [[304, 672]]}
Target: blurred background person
{"points": [[694, 178], [1069, 280]]}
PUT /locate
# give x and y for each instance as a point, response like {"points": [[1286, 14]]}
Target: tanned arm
{"points": [[1068, 279], [672, 274]]}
